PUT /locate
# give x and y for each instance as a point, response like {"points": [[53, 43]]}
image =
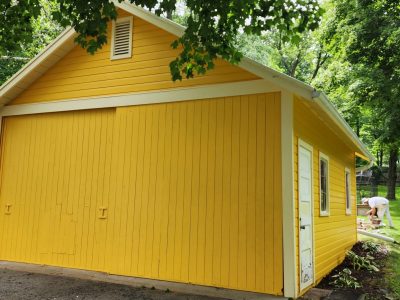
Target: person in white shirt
{"points": [[380, 207]]}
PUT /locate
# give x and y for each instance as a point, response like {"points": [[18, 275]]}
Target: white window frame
{"points": [[324, 157], [347, 190], [129, 54]]}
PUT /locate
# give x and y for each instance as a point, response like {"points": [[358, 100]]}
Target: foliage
{"points": [[9, 66], [212, 26], [42, 30], [16, 25], [359, 262], [364, 35], [344, 280], [392, 269], [371, 247]]}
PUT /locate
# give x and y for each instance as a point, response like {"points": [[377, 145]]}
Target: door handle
{"points": [[302, 227]]}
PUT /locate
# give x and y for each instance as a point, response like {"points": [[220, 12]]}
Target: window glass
{"points": [[324, 182]]}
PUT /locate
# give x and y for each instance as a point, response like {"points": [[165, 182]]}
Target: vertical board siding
{"points": [[190, 191], [80, 75], [336, 233]]}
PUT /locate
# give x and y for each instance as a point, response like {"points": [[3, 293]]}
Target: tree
{"points": [[212, 25], [42, 31], [366, 33], [302, 57]]}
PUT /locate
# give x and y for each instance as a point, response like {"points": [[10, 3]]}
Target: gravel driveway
{"points": [[23, 285]]}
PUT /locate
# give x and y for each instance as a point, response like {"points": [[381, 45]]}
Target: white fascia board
{"points": [[286, 82], [39, 59], [366, 167], [327, 106]]}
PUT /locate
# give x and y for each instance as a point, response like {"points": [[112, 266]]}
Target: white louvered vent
{"points": [[121, 46]]}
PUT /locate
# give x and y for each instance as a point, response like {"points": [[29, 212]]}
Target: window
{"points": [[121, 40], [324, 184], [348, 191]]}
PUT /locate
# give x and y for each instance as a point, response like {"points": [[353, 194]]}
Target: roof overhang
{"points": [[65, 42], [37, 66]]}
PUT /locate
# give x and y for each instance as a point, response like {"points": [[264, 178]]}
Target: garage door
{"points": [[52, 187]]}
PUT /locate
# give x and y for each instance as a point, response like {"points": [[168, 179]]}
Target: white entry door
{"points": [[305, 215]]}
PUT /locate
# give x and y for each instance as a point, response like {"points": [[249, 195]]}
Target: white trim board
{"points": [[288, 204], [161, 96]]}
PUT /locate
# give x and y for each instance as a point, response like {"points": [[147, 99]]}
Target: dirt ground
{"points": [[374, 285], [16, 285]]}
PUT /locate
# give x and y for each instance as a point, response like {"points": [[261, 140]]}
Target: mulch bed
{"points": [[373, 283]]}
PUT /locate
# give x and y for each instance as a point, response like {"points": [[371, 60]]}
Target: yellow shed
{"points": [[242, 179]]}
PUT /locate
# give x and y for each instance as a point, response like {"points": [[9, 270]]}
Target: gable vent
{"points": [[121, 46]]}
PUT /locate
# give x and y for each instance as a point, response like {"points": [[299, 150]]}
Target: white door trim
{"points": [[302, 143]]}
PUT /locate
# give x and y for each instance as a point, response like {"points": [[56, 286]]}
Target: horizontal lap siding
{"points": [[80, 75], [191, 191], [335, 234]]}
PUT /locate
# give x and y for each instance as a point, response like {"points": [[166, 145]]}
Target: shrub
{"points": [[371, 247], [358, 262], [344, 280]]}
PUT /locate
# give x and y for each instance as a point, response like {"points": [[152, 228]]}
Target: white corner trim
{"points": [[161, 96], [288, 204], [325, 157]]}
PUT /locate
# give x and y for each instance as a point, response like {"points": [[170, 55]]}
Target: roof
{"points": [[65, 42]]}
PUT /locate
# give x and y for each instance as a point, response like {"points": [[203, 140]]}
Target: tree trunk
{"points": [[392, 173], [379, 157]]}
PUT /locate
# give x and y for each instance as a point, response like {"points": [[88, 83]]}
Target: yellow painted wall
{"points": [[335, 234], [80, 75], [192, 191]]}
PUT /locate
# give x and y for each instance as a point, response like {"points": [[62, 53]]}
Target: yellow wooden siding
{"points": [[334, 234], [191, 191], [80, 75]]}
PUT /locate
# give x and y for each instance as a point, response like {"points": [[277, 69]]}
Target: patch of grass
{"points": [[393, 275], [392, 272]]}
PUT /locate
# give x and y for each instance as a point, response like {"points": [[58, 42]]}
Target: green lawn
{"points": [[393, 272]]}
